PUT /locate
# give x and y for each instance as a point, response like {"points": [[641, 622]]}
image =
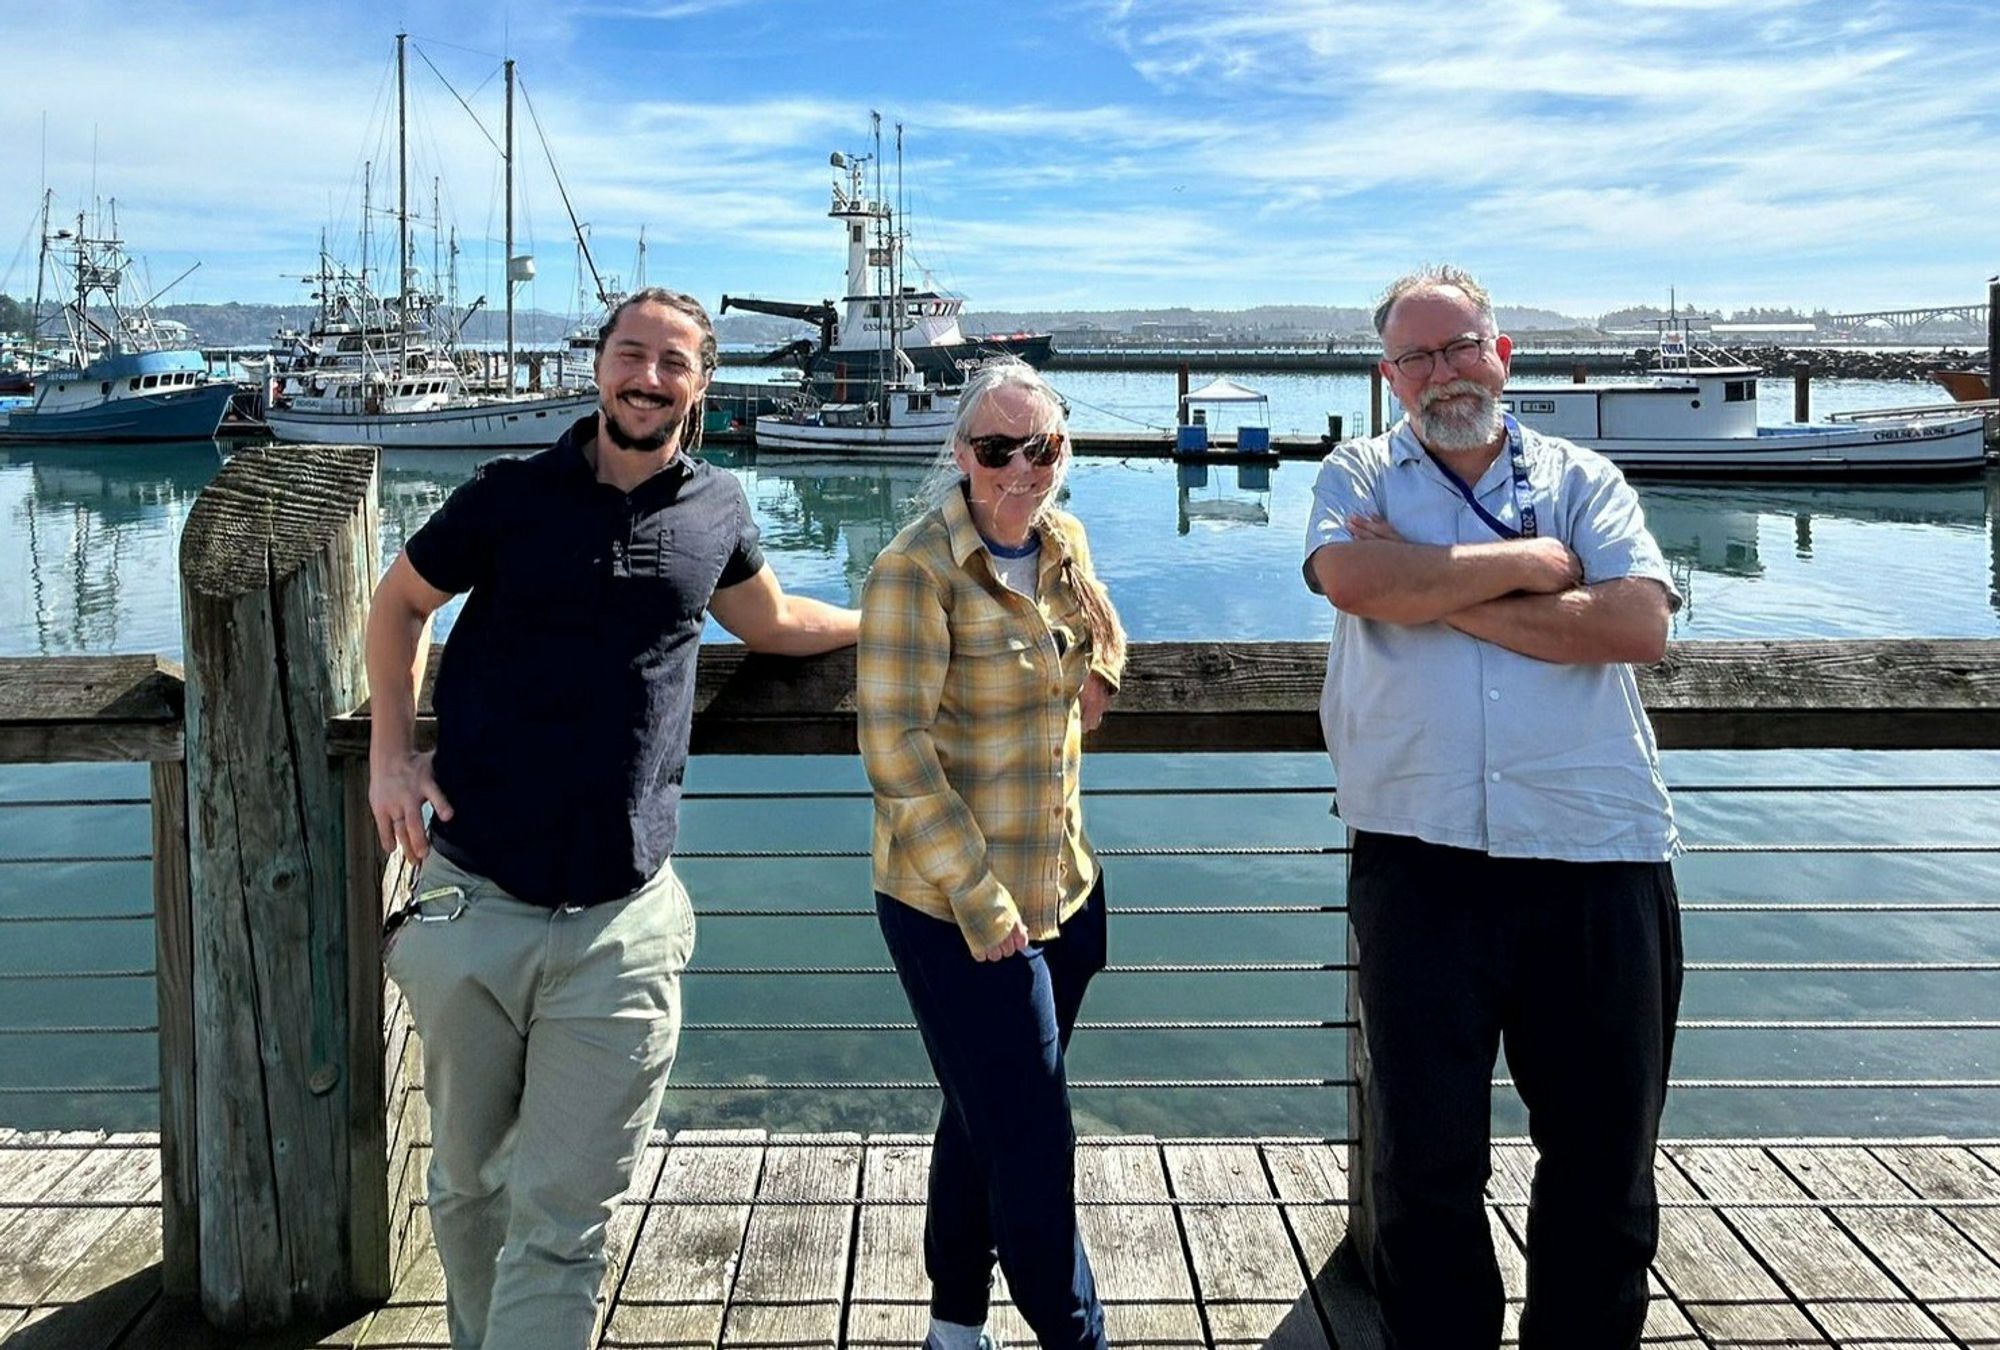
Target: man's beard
{"points": [[1452, 429], [625, 440]]}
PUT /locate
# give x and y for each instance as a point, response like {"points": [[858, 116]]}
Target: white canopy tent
{"points": [[1224, 391], [1252, 419]]}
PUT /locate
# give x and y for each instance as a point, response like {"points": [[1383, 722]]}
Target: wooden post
{"points": [[1802, 393], [277, 561], [1180, 400], [173, 960], [1333, 429], [1993, 338], [1360, 1186], [1375, 400]]}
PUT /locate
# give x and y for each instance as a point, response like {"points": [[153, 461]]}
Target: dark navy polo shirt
{"points": [[567, 687]]}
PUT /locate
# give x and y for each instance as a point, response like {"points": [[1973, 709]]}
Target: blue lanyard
{"points": [[1524, 499]]}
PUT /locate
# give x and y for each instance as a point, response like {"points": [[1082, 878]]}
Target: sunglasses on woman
{"points": [[997, 452]]}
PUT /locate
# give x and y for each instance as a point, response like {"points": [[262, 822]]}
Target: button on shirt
{"points": [[1450, 739], [966, 693], [567, 687]]}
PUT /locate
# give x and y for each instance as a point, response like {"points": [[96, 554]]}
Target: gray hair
{"points": [[1432, 277], [1007, 372]]}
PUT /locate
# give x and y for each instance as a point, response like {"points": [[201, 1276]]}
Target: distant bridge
{"points": [[1905, 323]]}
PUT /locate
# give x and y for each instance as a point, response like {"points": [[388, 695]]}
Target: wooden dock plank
{"points": [[683, 1266], [889, 1297], [1308, 1176], [1845, 1291], [1252, 1285], [1716, 1279], [1937, 1264], [1952, 1174], [414, 1315], [1135, 1250], [791, 1287], [1513, 1175], [714, 1274], [42, 1243]]}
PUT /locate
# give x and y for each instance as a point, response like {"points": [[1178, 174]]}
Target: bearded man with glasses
{"points": [[1510, 883]]}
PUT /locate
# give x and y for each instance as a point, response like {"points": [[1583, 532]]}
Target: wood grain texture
{"points": [[173, 956], [1252, 696], [278, 561]]}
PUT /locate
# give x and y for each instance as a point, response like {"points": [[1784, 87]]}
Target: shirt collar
{"points": [[965, 538], [570, 456]]}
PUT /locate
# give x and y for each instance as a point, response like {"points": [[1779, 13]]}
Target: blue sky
{"points": [[1062, 155]]}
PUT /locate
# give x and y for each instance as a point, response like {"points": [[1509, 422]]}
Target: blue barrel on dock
{"points": [[1254, 440], [1191, 439]]}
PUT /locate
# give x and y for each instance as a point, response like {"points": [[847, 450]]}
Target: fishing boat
{"points": [[855, 338], [387, 371], [897, 411], [1698, 416], [906, 417], [120, 381]]}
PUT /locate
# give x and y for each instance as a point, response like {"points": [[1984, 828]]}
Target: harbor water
{"points": [[87, 566]]}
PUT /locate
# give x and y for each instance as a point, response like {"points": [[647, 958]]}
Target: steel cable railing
{"points": [[1219, 1025]]}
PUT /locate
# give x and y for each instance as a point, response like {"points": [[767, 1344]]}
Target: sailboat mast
{"points": [[402, 210], [509, 255], [367, 229], [41, 268]]}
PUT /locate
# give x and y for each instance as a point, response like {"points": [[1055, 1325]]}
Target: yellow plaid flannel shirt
{"points": [[970, 730]]}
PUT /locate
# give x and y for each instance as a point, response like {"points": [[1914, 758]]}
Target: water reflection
{"points": [[90, 539], [1222, 496], [88, 548], [832, 506], [1718, 530]]}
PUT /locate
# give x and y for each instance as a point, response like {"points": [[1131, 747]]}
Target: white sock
{"points": [[953, 1335]]}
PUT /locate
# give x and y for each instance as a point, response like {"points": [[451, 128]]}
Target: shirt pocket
{"points": [[993, 665]]}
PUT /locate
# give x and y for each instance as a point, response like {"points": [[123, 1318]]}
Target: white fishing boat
{"points": [[1695, 418], [898, 412], [387, 371], [880, 313], [905, 418]]}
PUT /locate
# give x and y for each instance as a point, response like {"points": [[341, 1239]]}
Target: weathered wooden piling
{"points": [[277, 561], [1993, 338], [1375, 400], [1802, 393]]}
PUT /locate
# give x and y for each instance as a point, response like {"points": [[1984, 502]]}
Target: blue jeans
{"points": [[1003, 1165]]}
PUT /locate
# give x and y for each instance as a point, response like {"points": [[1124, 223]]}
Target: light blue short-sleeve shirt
{"points": [[1454, 740]]}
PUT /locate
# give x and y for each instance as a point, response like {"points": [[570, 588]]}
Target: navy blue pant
{"points": [[1576, 968], [1003, 1165]]}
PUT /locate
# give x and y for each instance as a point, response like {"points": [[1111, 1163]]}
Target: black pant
{"points": [[1003, 1164], [1576, 969]]}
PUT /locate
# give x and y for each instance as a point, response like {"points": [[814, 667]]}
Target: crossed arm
{"points": [[1526, 595]]}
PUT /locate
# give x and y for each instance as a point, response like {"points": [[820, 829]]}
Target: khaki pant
{"points": [[547, 1038]]}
